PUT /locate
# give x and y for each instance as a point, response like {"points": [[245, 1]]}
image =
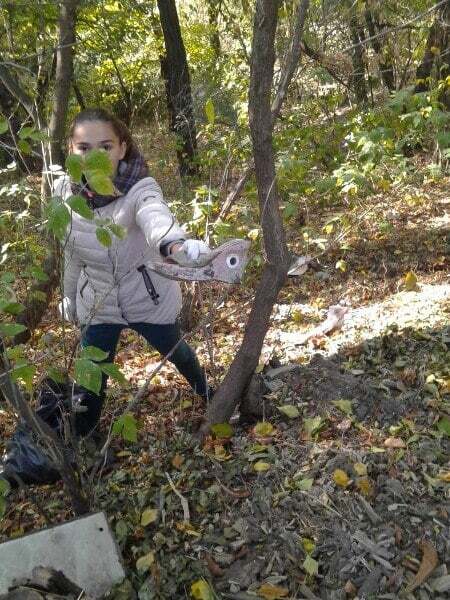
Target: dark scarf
{"points": [[129, 172]]}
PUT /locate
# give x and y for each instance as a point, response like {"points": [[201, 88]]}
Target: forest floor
{"points": [[344, 490]]}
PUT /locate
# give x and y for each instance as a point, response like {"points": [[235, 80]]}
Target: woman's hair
{"points": [[118, 126]]}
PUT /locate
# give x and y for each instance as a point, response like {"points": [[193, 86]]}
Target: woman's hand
{"points": [[191, 248]]}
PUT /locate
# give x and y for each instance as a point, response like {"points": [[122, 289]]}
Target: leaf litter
{"points": [[346, 447]]}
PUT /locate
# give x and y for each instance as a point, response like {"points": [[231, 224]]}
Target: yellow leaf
{"points": [[410, 283], [341, 265], [200, 590], [221, 454], [264, 428], [148, 516], [435, 50], [444, 477], [393, 442], [261, 466], [364, 485], [177, 461], [272, 592], [308, 545], [360, 469], [341, 478], [145, 562]]}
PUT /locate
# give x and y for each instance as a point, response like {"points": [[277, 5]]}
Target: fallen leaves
{"points": [[145, 562], [201, 590], [341, 478], [393, 442], [272, 592], [148, 516], [429, 562]]}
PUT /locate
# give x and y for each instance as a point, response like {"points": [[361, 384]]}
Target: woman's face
{"points": [[97, 135]]}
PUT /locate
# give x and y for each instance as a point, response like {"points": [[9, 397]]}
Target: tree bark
{"points": [[386, 68], [276, 253], [175, 72], [63, 79], [213, 18], [438, 37], [359, 70]]}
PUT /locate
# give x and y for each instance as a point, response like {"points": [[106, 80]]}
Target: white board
{"points": [[83, 549]]}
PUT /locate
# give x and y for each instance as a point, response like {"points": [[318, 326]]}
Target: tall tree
{"points": [[359, 71], [436, 51], [385, 64], [175, 72], [262, 113], [63, 78]]}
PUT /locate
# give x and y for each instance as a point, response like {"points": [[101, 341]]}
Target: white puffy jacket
{"points": [[104, 283]]}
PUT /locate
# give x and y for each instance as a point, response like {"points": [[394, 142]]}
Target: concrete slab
{"points": [[83, 549]]}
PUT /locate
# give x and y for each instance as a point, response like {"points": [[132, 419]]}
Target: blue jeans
{"points": [[162, 337]]}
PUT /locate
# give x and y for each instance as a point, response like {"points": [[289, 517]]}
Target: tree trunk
{"points": [[175, 72], [359, 70], [40, 294], [386, 68], [63, 79], [438, 38], [213, 18], [276, 252]]}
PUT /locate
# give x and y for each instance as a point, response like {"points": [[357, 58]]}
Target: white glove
{"points": [[193, 248], [66, 310]]}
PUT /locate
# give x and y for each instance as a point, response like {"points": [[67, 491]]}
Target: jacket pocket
{"points": [[149, 284]]}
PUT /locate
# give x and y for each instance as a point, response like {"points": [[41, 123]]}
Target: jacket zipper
{"points": [[85, 283], [149, 284]]}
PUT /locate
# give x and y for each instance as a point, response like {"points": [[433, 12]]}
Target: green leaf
{"points": [[24, 147], [344, 405], [289, 410], [2, 506], [5, 488], [93, 353], [443, 138], [304, 484], [58, 218], [103, 236], [26, 374], [145, 562], [26, 132], [210, 112], [100, 183], [313, 426], [113, 371], [311, 566], [98, 160], [4, 126], [88, 374], [38, 273], [8, 277], [126, 426], [118, 230], [149, 515], [444, 426], [79, 205], [222, 430], [74, 166], [12, 308], [11, 329], [56, 375]]}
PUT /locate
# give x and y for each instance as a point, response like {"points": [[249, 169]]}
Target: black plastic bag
{"points": [[23, 457]]}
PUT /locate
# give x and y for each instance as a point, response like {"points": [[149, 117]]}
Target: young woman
{"points": [[107, 289]]}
